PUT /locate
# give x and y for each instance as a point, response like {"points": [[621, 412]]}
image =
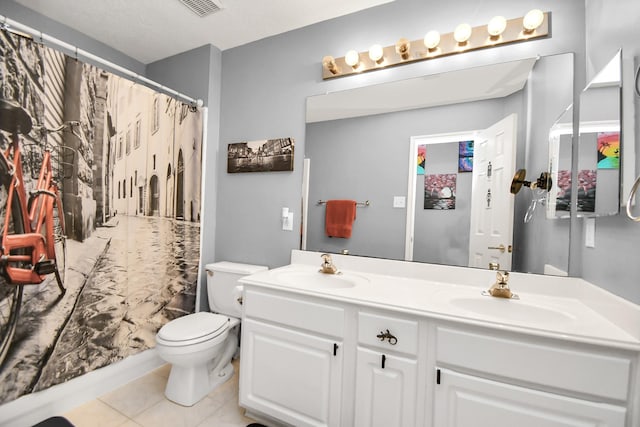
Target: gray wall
{"points": [[265, 85]]}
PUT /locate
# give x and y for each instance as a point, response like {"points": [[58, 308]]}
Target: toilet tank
{"points": [[222, 280]]}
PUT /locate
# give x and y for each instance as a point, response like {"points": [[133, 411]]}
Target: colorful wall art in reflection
{"points": [[465, 156], [587, 183], [608, 150], [440, 191], [422, 156]]}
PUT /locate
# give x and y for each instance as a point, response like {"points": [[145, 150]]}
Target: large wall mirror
{"points": [[600, 141], [598, 170], [359, 143]]}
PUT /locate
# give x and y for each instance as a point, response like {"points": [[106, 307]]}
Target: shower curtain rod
{"points": [[37, 35]]}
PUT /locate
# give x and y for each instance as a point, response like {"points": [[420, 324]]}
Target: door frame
{"points": [[414, 142]]}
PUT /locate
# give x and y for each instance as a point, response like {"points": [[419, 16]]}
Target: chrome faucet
{"points": [[327, 265], [500, 289]]}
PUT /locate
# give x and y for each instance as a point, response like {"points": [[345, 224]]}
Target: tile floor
{"points": [[141, 403]]}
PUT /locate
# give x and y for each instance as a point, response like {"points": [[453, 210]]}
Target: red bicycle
{"points": [[33, 237]]}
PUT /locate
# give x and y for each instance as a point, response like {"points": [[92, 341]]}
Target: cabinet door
{"points": [[385, 396], [467, 401], [292, 376]]}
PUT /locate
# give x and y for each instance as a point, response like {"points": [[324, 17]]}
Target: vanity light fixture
{"points": [[432, 40], [403, 48], [499, 31], [352, 59], [462, 34], [532, 20], [376, 54], [496, 26]]}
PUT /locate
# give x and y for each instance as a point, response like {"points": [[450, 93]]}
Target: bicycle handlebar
{"points": [[71, 124]]}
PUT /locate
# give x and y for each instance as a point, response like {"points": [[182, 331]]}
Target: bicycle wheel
{"points": [[10, 295]]}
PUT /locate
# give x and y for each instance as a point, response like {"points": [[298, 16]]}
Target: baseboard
{"points": [[35, 407]]}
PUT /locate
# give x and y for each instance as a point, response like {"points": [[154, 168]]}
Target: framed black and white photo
{"points": [[267, 155]]}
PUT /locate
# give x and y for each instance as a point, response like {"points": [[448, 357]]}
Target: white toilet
{"points": [[200, 346]]}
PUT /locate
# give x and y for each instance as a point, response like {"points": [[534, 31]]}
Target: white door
{"points": [[467, 401], [292, 376], [491, 231], [385, 390]]}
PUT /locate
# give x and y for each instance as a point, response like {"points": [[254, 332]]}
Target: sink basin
{"points": [[511, 309], [317, 280]]}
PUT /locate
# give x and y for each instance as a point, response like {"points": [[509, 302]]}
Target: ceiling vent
{"points": [[203, 8]]}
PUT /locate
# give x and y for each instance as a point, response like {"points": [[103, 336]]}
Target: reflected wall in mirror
{"points": [[560, 141], [598, 185], [359, 151]]}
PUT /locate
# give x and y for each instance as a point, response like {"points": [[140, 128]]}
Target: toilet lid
{"points": [[193, 326]]}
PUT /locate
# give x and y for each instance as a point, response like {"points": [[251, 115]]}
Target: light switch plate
{"points": [[399, 201], [287, 222], [590, 232]]}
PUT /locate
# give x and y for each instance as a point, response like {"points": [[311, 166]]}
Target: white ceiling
{"points": [[471, 84], [149, 30]]}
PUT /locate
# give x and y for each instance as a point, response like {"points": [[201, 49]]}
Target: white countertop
{"points": [[578, 311]]}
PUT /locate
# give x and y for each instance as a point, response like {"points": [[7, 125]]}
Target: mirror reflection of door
{"points": [[491, 230], [489, 221]]}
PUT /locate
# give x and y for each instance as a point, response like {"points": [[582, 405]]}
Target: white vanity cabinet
{"points": [[292, 357], [492, 380], [389, 354], [386, 371]]}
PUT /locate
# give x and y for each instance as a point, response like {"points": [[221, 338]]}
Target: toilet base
{"points": [[187, 386]]}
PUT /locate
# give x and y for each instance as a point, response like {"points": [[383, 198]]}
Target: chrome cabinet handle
{"points": [[387, 336]]}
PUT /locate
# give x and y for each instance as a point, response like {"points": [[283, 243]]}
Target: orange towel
{"points": [[339, 218]]}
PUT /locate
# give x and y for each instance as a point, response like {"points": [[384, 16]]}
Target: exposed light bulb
{"points": [[352, 58], [376, 53], [462, 33], [496, 26], [532, 20], [432, 39]]}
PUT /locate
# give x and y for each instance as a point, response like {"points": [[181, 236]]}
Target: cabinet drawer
{"points": [[574, 370], [294, 312], [370, 325]]}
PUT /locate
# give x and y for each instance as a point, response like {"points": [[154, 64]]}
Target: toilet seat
{"points": [[193, 329]]}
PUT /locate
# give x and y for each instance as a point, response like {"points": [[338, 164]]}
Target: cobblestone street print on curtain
{"points": [[128, 162]]}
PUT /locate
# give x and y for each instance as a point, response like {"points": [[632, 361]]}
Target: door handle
{"points": [[502, 248]]}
